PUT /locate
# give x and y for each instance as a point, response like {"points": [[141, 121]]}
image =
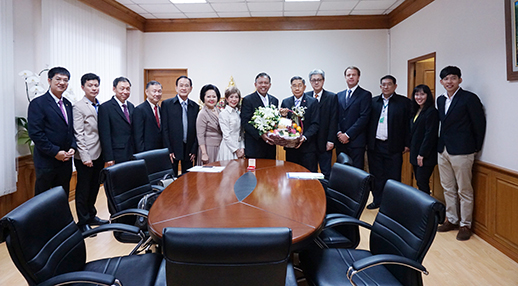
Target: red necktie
{"points": [[156, 116]]}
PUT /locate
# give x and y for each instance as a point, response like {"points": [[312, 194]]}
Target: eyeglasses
{"points": [[316, 80]]}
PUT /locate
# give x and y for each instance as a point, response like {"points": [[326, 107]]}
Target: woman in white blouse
{"points": [[232, 146]]}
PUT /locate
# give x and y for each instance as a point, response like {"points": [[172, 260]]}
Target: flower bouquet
{"points": [[265, 119]]}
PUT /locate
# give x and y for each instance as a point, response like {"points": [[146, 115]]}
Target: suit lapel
{"points": [[352, 98], [456, 98], [118, 109], [55, 107]]}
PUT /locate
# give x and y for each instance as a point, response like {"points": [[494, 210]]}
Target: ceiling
{"points": [[164, 9]]}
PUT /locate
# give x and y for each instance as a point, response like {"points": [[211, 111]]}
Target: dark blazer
{"points": [[49, 131], [115, 131], [147, 134], [255, 147], [353, 117], [398, 127], [172, 127], [423, 136], [310, 123], [464, 126], [328, 109]]}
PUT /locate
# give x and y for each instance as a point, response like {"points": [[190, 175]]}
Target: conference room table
{"points": [[237, 198]]}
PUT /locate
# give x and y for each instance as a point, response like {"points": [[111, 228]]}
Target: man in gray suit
{"points": [[87, 159]]}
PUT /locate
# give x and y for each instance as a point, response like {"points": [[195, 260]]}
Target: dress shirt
{"points": [[264, 99], [120, 104], [448, 101], [153, 109], [318, 96], [56, 99]]}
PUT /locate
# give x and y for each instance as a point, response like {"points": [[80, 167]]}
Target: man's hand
{"points": [[62, 156], [283, 112], [344, 139], [88, 163], [420, 160], [110, 163], [193, 156], [71, 152], [172, 157], [302, 140], [267, 139], [406, 150], [330, 146]]}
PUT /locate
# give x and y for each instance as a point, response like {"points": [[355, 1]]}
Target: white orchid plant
{"points": [[265, 119]]}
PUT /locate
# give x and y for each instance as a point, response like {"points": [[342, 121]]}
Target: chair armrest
{"points": [[89, 277], [114, 227], [333, 220], [381, 259], [126, 212], [157, 188]]}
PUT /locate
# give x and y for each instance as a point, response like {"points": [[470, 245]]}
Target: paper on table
{"points": [[305, 175], [207, 169]]}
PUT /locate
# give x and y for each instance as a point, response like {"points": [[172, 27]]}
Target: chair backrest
{"points": [[158, 164], [42, 237], [232, 256], [343, 158], [125, 184], [405, 225]]}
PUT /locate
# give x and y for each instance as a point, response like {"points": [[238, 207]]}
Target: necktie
{"points": [[348, 96], [316, 95], [297, 102], [126, 113], [184, 121], [156, 116], [60, 102]]}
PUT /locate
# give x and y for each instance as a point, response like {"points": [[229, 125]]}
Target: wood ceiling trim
{"points": [[118, 11], [356, 22]]}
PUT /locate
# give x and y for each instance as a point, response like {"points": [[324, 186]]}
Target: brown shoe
{"points": [[464, 233], [447, 226]]}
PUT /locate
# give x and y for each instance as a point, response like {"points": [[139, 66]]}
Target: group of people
{"points": [[351, 121]]}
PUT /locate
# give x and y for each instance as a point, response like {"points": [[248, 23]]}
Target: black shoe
{"points": [[97, 221], [372, 206]]}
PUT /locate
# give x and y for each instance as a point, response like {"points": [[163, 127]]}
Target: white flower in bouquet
{"points": [[265, 118], [299, 111]]}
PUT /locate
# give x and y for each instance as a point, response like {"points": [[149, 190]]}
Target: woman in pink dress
{"points": [[207, 125]]}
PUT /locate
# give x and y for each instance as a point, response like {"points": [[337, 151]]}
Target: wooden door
{"points": [[166, 77], [421, 70]]}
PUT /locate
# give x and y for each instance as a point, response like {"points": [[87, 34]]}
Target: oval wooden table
{"points": [[199, 199]]}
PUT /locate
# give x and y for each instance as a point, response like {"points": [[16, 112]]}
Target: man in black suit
{"points": [[388, 136], [179, 126], [50, 127], [462, 131], [354, 108], [147, 130], [326, 135], [115, 124], [305, 153], [257, 146]]}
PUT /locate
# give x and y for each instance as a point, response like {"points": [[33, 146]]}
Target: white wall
{"points": [[469, 34], [212, 57]]}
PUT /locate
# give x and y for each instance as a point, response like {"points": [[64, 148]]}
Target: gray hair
{"points": [[317, 71]]}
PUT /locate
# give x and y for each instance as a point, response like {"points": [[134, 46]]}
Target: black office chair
{"points": [[125, 185], [343, 158], [400, 237], [346, 195], [158, 164], [230, 257], [48, 248]]}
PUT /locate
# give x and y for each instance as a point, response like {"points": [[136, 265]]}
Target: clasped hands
{"points": [[62, 155]]}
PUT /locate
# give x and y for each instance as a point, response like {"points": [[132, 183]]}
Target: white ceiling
{"points": [[164, 9]]}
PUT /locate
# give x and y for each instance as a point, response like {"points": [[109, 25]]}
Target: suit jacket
{"points": [[398, 127], [423, 137], [255, 147], [310, 123], [327, 128], [115, 131], [147, 134], [86, 131], [464, 126], [49, 131], [353, 117], [172, 127]]}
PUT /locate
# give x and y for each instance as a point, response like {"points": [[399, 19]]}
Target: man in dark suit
{"points": [[115, 124], [51, 128], [354, 108], [257, 146], [305, 153], [388, 136], [147, 130], [327, 128], [179, 126], [88, 159], [462, 131]]}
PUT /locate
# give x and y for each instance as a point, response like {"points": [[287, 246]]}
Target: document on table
{"points": [[305, 175], [207, 169]]}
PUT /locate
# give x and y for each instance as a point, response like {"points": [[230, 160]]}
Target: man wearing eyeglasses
{"points": [[327, 104]]}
